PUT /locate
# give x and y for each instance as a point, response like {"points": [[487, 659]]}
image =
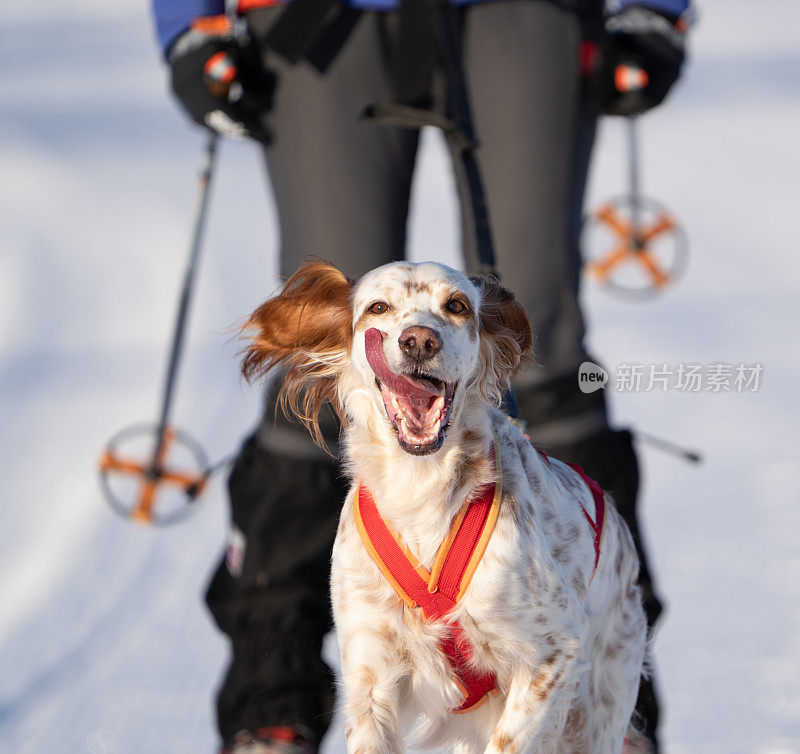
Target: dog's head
{"points": [[411, 342]]}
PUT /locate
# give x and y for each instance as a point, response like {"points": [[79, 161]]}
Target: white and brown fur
{"points": [[567, 648]]}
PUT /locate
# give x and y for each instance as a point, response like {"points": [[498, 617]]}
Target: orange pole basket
{"points": [[148, 490]]}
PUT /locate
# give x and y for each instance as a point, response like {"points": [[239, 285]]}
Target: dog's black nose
{"points": [[420, 343]]}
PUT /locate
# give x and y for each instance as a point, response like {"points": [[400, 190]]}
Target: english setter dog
{"points": [[485, 595]]}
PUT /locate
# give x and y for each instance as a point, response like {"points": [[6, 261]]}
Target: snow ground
{"points": [[104, 643]]}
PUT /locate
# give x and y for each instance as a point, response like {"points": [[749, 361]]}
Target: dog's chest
{"points": [[474, 596]]}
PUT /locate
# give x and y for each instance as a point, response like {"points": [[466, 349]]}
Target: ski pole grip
{"points": [[629, 77]]}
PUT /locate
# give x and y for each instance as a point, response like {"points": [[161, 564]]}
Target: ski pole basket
{"points": [[152, 478], [634, 258]]}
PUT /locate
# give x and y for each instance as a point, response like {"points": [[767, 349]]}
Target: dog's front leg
{"points": [[535, 705], [371, 676]]}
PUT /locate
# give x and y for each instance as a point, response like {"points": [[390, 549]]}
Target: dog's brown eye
{"points": [[454, 306], [379, 307]]}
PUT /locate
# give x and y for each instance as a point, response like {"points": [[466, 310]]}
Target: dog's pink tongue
{"points": [[414, 392]]}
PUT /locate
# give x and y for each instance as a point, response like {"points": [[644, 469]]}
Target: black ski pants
{"points": [[342, 189]]}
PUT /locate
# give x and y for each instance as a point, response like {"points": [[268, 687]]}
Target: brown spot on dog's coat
{"points": [[575, 739], [579, 583], [415, 286], [549, 642], [468, 468], [368, 677], [472, 441], [503, 742], [511, 505], [543, 682], [619, 562]]}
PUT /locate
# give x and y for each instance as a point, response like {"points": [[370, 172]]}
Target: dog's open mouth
{"points": [[417, 404]]}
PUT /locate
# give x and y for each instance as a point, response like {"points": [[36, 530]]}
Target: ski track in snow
{"points": [[105, 645]]}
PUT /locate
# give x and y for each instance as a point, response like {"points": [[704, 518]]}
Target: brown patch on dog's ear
{"points": [[307, 328], [505, 331], [502, 317]]}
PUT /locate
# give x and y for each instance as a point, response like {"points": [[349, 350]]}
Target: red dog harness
{"points": [[437, 592], [599, 520]]}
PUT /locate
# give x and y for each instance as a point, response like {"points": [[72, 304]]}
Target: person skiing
{"points": [[538, 75]]}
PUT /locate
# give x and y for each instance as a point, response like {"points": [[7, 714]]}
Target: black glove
{"points": [[643, 41], [221, 82]]}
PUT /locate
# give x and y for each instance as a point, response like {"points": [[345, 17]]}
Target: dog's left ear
{"points": [[506, 336]]}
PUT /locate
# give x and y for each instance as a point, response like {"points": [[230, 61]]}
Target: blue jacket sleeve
{"points": [[173, 17], [667, 7]]}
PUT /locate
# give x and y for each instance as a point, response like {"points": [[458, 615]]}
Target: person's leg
{"points": [[534, 136], [341, 182], [271, 596], [536, 129], [342, 188]]}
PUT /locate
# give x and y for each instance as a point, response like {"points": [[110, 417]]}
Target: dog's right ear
{"points": [[308, 329]]}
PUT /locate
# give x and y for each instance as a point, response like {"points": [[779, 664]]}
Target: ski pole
{"points": [[629, 78], [633, 182], [154, 472], [635, 223], [692, 456], [207, 163]]}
